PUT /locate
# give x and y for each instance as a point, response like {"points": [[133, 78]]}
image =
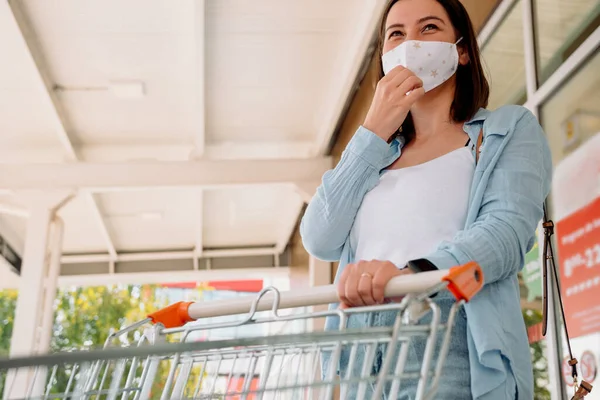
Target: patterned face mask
{"points": [[433, 62]]}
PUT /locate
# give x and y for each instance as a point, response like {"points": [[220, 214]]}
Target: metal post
{"points": [[531, 80]]}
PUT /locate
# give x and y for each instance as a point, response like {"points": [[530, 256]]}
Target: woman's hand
{"points": [[363, 283], [391, 103]]}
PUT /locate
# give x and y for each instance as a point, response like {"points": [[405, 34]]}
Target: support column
{"points": [[51, 282], [37, 290]]}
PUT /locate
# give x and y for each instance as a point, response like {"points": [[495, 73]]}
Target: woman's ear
{"points": [[463, 56]]}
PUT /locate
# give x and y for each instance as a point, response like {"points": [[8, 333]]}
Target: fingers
{"points": [[363, 284], [415, 94], [411, 84], [365, 288], [341, 285], [380, 279], [351, 289], [397, 76]]}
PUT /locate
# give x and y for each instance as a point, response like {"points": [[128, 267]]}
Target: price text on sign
{"points": [[579, 253]]}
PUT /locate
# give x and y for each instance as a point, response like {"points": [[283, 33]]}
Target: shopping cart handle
{"points": [[463, 282]]}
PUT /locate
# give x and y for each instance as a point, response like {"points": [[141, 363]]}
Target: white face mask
{"points": [[433, 62]]}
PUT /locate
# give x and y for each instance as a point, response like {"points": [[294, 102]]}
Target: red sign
{"points": [[589, 368], [252, 286], [238, 385], [578, 238]]}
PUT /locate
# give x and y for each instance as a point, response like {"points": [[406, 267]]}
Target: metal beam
{"points": [[173, 276], [14, 210], [25, 37], [11, 281], [493, 23], [167, 255], [567, 68], [105, 177]]}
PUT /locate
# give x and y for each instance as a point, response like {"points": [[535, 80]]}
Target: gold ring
{"points": [[368, 275]]}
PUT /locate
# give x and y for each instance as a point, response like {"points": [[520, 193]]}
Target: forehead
{"points": [[408, 12]]}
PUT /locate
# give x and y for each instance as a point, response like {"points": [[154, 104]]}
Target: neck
{"points": [[431, 114]]}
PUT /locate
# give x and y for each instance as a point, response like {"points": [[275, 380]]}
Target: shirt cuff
{"points": [[442, 259], [368, 146]]}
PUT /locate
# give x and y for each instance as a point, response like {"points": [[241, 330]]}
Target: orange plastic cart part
{"points": [[173, 316], [465, 281]]}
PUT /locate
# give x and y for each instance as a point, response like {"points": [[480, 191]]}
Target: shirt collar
{"points": [[479, 116]]}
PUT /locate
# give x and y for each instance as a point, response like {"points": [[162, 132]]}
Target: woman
{"points": [[410, 194]]}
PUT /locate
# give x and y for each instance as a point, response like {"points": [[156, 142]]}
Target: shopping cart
{"points": [[158, 358]]}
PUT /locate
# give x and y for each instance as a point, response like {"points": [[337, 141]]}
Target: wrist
{"points": [[377, 130]]}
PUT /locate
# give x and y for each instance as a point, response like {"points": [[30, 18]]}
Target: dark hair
{"points": [[472, 89]]}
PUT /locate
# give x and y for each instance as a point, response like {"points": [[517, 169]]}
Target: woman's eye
{"points": [[429, 27], [396, 34]]}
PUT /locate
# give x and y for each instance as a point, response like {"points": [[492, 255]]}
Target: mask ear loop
{"points": [[455, 43]]}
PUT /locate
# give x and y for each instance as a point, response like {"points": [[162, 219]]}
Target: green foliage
{"points": [[84, 317], [8, 303], [540, 364]]}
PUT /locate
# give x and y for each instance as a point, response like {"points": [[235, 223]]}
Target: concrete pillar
{"points": [[37, 289]]}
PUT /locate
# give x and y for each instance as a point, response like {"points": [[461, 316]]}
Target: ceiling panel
{"points": [[16, 74], [110, 16], [24, 120], [280, 17], [152, 219], [247, 216], [82, 232], [88, 45], [270, 66]]}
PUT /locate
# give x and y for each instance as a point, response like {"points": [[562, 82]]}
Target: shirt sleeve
{"points": [[329, 217], [511, 208]]}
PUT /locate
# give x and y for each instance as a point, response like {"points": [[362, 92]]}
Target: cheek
{"points": [[389, 45]]}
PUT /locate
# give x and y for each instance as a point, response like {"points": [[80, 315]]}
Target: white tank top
{"points": [[412, 210]]}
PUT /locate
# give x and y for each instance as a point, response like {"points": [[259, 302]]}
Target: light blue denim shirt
{"points": [[510, 183]]}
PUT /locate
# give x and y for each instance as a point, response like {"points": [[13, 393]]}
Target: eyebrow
{"points": [[420, 21]]}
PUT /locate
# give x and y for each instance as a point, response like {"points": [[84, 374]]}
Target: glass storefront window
{"points": [[504, 61], [560, 26], [572, 114]]}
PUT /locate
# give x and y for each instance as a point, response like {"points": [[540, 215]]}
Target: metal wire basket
{"points": [[279, 366]]}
